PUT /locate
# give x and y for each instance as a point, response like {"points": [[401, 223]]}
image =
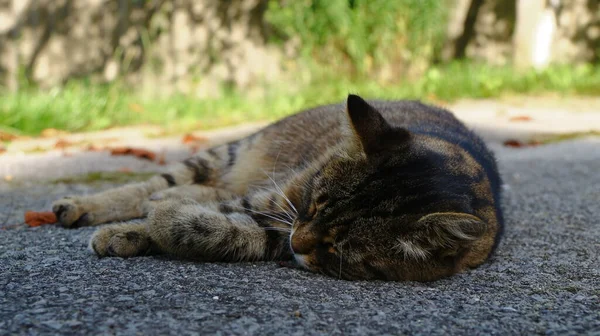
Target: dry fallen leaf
{"points": [[93, 148], [520, 118], [8, 178], [138, 152], [62, 143], [513, 143], [33, 218], [4, 136], [190, 138], [125, 170], [2, 149], [519, 144]]}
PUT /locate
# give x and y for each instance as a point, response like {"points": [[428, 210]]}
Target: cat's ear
{"points": [[451, 230], [369, 127]]}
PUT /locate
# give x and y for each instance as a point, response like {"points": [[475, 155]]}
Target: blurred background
{"points": [[81, 65]]}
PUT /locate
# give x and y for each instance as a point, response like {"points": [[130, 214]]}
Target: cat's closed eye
{"points": [[331, 248], [312, 211], [321, 200], [328, 244], [316, 205]]}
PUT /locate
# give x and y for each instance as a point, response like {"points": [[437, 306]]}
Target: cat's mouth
{"points": [[299, 259]]}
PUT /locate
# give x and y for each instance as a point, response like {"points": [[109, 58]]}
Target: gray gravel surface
{"points": [[544, 278]]}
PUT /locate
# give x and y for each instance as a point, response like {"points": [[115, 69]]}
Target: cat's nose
{"points": [[303, 242]]}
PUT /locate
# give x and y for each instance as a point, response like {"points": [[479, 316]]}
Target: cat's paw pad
{"points": [[110, 242], [70, 213]]}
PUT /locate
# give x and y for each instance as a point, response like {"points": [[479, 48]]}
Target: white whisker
{"points": [[290, 216], [285, 212], [272, 216], [281, 193], [290, 203], [271, 198]]}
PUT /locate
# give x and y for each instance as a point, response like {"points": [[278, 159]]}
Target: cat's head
{"points": [[388, 204]]}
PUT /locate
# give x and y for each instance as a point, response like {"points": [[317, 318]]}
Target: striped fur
{"points": [[393, 190]]}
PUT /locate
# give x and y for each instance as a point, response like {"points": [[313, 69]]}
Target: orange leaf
{"points": [[513, 143], [93, 148], [7, 136], [138, 152], [520, 118], [62, 143], [519, 144], [33, 218], [190, 138]]}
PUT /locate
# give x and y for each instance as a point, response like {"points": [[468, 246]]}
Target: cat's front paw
{"points": [[124, 240], [70, 213]]}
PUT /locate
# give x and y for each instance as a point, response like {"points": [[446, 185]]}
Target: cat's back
{"points": [[326, 121], [322, 126], [310, 133]]}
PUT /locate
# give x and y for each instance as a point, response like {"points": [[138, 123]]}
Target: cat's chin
{"points": [[301, 261]]}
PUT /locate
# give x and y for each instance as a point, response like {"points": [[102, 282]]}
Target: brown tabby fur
{"points": [[393, 190]]}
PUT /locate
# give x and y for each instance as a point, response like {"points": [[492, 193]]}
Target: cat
{"points": [[390, 190]]}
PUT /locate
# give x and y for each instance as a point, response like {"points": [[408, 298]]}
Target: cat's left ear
{"points": [[374, 133]]}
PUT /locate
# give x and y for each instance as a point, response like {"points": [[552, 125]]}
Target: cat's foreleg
{"points": [[124, 240], [187, 229]]}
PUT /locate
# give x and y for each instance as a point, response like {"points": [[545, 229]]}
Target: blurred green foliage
{"points": [[361, 36], [80, 106], [346, 46]]}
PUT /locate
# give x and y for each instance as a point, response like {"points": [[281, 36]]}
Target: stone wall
{"points": [[196, 46], [500, 31], [192, 45]]}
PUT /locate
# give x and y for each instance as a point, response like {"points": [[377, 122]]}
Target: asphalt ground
{"points": [[543, 279]]}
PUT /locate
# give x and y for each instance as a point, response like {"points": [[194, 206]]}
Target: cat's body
{"points": [[385, 190]]}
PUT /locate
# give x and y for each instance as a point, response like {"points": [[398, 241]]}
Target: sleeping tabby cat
{"points": [[393, 190]]}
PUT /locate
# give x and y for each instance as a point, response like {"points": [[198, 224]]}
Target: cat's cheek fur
{"points": [[301, 261]]}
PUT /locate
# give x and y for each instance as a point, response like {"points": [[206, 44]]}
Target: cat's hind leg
{"points": [[130, 201]]}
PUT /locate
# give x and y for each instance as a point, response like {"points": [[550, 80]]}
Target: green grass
{"points": [[105, 177], [83, 107]]}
